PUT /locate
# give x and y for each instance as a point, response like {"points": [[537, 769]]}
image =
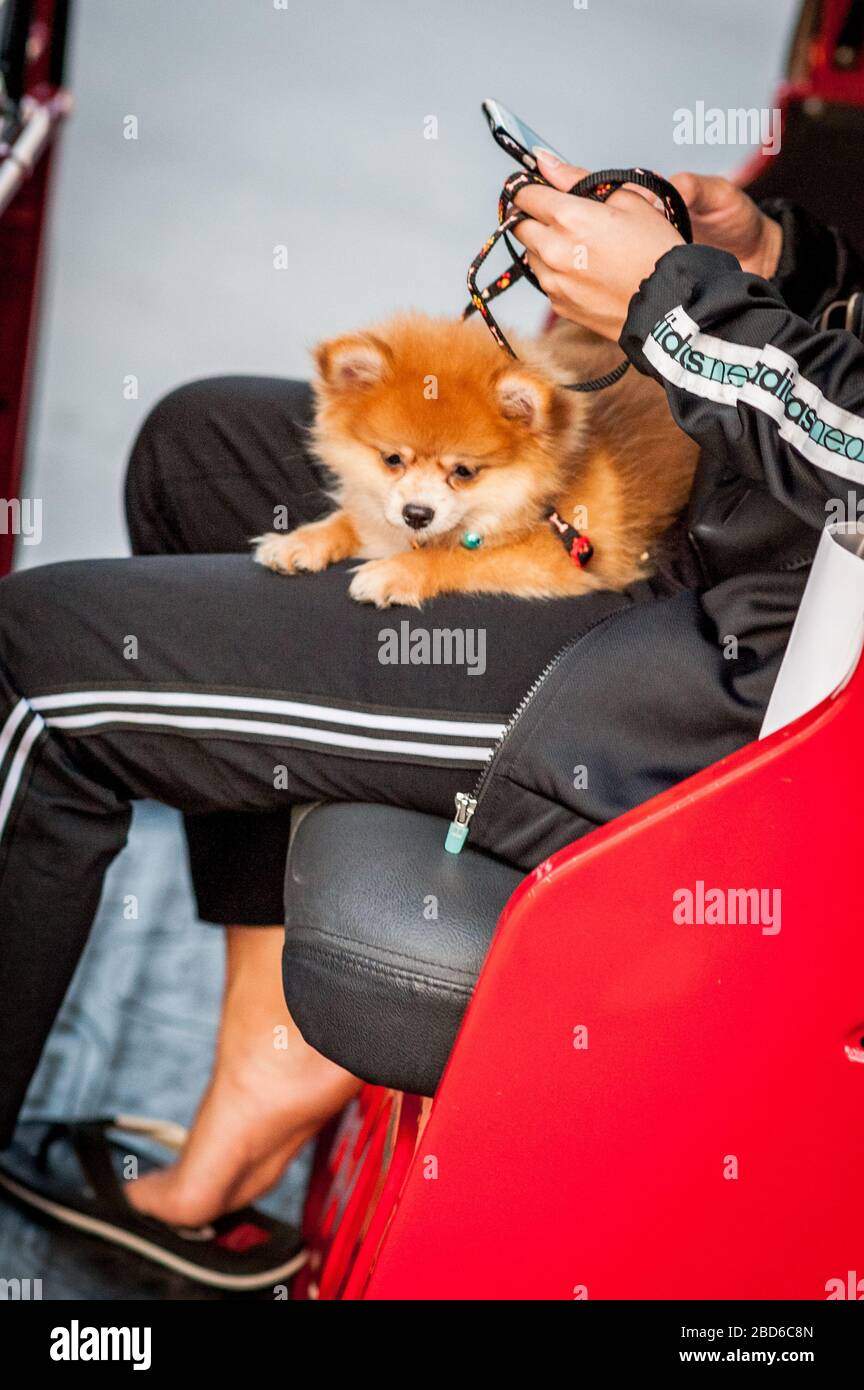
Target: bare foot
{"points": [[269, 1093]]}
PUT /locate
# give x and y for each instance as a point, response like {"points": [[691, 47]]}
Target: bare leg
{"points": [[269, 1092]]}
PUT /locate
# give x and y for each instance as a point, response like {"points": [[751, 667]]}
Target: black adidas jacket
{"points": [[658, 690]]}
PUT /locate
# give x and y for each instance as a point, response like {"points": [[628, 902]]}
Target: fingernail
{"points": [[549, 157]]}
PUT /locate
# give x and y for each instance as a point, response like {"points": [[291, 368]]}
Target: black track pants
{"points": [[192, 676]]}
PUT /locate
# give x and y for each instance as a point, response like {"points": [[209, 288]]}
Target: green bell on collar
{"points": [[471, 540]]}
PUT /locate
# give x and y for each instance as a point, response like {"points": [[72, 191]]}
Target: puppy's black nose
{"points": [[417, 516]]}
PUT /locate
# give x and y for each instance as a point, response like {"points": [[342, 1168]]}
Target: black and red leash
{"points": [[599, 187]]}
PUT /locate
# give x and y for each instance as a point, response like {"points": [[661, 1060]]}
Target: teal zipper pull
{"points": [[457, 832]]}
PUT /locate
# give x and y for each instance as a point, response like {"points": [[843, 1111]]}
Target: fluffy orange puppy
{"points": [[447, 458]]}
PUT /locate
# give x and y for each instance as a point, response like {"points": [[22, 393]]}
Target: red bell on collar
{"points": [[581, 551], [577, 545]]}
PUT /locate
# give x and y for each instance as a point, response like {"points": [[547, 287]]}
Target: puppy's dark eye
{"points": [[462, 471], [392, 460]]}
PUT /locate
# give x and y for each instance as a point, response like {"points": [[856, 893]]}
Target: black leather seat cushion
{"points": [[385, 936]]}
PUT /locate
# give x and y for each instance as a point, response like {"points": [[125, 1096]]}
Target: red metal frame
{"points": [[822, 81], [608, 1168], [22, 229], [20, 256], [361, 1166], [824, 78]]}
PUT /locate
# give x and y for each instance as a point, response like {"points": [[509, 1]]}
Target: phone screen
{"points": [[500, 118]]}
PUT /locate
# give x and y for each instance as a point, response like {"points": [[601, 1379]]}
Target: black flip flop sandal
{"points": [[68, 1169]]}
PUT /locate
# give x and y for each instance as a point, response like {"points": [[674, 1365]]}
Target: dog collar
{"points": [[577, 545]]}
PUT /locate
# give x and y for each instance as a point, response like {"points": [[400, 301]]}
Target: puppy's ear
{"points": [[352, 363], [524, 397]]}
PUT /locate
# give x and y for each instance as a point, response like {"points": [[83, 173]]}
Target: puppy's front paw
{"points": [[271, 551], [303, 549], [397, 579]]}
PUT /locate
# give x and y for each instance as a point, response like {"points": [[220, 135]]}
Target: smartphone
{"points": [[514, 135]]}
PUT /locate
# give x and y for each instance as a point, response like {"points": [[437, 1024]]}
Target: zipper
{"points": [[457, 831], [467, 802]]}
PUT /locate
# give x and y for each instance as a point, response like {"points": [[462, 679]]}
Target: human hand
{"points": [[724, 216], [590, 257]]}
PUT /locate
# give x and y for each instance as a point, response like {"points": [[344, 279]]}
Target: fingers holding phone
{"points": [[590, 257]]}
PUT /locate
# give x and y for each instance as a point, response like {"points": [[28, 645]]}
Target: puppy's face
{"points": [[427, 420]]}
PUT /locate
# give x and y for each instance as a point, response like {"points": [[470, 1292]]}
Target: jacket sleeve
{"points": [[750, 380]]}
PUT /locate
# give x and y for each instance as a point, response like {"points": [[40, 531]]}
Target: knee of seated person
{"points": [[171, 438], [177, 425], [177, 419], [56, 619], [28, 608]]}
